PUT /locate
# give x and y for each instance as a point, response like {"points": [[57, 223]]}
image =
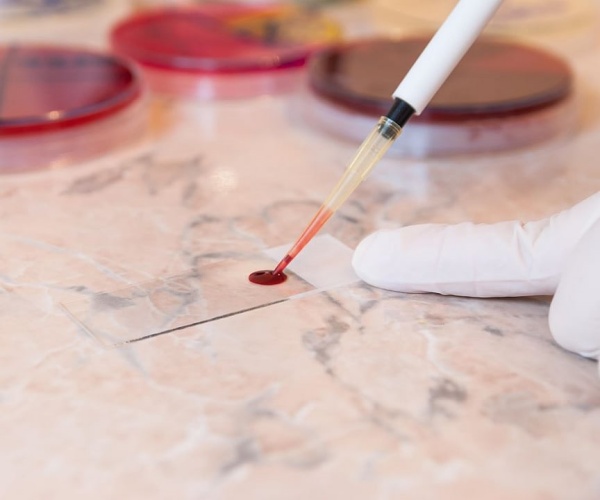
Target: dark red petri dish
{"points": [[47, 92], [199, 51], [494, 78], [496, 82]]}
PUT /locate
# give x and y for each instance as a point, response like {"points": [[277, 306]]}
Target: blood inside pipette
{"points": [[274, 277], [320, 218], [283, 263]]}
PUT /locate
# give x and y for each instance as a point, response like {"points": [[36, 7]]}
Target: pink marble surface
{"points": [[355, 393]]}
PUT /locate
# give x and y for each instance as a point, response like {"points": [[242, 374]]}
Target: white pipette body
{"points": [[443, 52]]}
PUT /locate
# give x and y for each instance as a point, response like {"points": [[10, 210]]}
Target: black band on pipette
{"points": [[400, 112]]}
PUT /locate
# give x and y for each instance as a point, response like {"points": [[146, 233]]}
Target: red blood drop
{"points": [[267, 277]]}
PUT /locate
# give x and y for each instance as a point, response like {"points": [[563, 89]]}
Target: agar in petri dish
{"points": [[70, 104], [222, 50], [502, 95]]}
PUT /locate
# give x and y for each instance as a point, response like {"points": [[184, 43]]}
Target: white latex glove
{"points": [[557, 256]]}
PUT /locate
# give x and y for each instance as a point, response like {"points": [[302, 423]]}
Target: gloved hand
{"points": [[557, 256]]}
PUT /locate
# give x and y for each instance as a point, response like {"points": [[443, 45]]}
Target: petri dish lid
{"points": [[530, 17], [494, 79], [223, 38], [10, 8], [45, 88]]}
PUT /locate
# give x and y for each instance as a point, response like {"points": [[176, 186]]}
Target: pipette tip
{"points": [[283, 264], [372, 149]]}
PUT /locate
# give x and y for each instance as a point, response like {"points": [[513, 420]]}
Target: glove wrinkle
{"points": [[527, 238], [437, 265]]}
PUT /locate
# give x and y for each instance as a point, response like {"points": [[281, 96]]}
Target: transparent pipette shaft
{"points": [[370, 152], [429, 72]]}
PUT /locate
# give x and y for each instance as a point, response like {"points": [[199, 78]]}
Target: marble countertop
{"points": [[353, 392]]}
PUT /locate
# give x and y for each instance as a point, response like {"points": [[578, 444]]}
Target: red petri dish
{"points": [[71, 104], [500, 96], [222, 50]]}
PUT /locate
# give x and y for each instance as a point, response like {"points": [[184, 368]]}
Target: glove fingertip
{"points": [[365, 259], [386, 258], [574, 316]]}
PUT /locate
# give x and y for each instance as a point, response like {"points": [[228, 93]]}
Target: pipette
{"points": [[426, 76]]}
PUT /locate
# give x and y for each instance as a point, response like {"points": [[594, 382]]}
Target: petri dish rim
{"points": [[76, 116], [127, 38]]}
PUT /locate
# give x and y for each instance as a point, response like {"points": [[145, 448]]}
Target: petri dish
{"points": [[564, 25], [222, 50], [59, 105], [16, 8], [502, 95]]}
